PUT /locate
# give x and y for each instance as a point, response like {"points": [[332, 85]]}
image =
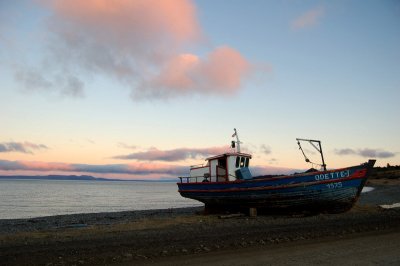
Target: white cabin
{"points": [[222, 168]]}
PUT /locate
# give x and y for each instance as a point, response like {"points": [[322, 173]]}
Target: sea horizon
{"points": [[81, 177], [20, 199]]}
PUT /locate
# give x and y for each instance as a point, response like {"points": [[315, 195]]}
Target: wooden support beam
{"points": [[253, 212]]}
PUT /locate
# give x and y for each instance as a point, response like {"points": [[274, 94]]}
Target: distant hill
{"points": [[78, 178], [57, 177]]}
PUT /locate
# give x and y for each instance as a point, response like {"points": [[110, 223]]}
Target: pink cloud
{"points": [[151, 168], [44, 166], [140, 43], [155, 154], [222, 72], [124, 39], [224, 68], [129, 25], [309, 18]]}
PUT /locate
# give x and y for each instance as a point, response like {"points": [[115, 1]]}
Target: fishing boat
{"points": [[225, 182]]}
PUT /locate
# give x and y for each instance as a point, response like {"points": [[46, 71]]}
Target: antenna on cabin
{"points": [[237, 140]]}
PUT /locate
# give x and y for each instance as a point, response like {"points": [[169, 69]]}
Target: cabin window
{"points": [[242, 162], [222, 163], [237, 162], [247, 162]]}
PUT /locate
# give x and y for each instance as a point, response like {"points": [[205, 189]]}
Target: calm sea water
{"points": [[35, 198]]}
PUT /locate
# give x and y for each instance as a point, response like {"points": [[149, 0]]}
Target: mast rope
{"points": [[305, 157]]}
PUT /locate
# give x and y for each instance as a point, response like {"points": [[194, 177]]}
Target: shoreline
{"points": [[9, 226], [375, 183], [20, 214], [386, 191]]}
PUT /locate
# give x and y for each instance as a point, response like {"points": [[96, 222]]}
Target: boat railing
{"points": [[197, 179]]}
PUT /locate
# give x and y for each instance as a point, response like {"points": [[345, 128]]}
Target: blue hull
{"points": [[332, 190]]}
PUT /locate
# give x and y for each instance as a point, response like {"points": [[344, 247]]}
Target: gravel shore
{"points": [[143, 236]]}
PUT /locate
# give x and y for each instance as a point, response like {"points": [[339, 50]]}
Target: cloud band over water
{"points": [[132, 168], [155, 154], [367, 153]]}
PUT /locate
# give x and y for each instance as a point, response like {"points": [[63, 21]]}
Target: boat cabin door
{"points": [[221, 170]]}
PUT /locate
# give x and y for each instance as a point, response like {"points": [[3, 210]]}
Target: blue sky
{"points": [[82, 87]]}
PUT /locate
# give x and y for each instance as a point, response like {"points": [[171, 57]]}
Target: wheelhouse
{"points": [[222, 168]]}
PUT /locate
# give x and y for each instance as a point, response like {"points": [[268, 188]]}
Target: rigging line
{"points": [[305, 157], [314, 146]]}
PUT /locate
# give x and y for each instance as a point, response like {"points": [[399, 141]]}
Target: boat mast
{"points": [[319, 149], [237, 140]]}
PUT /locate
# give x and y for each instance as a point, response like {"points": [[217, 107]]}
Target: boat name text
{"points": [[334, 175]]}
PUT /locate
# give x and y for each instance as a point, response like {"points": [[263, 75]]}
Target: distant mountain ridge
{"points": [[76, 178], [58, 177]]}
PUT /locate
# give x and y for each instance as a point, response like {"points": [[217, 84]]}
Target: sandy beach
{"points": [[367, 233]]}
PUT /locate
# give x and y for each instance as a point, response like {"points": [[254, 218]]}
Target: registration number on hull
{"points": [[335, 185]]}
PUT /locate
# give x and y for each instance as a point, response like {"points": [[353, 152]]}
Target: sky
{"points": [[142, 89]]}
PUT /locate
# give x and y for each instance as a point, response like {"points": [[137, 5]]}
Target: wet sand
{"points": [[186, 237]]}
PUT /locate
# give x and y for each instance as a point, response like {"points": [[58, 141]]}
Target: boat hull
{"points": [[335, 190]]}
